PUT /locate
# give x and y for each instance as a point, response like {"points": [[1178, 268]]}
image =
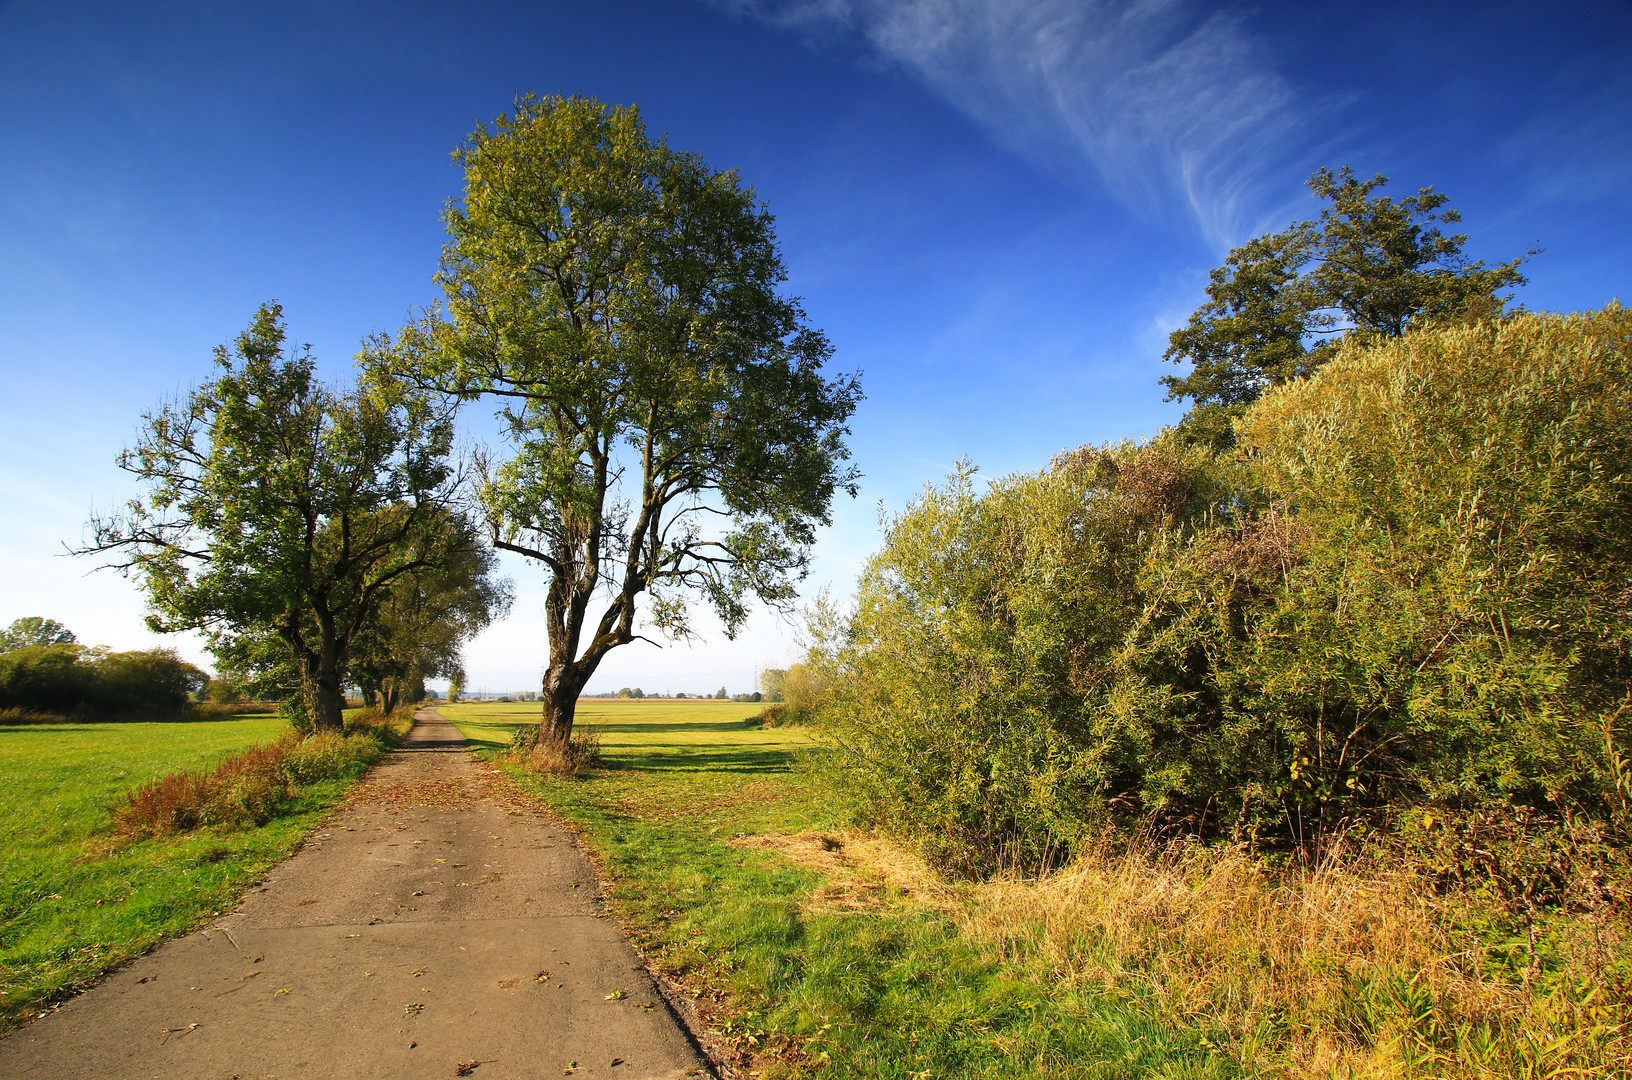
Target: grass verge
{"points": [[810, 967], [77, 900], [820, 951]]}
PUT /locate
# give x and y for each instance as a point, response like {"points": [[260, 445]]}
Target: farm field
{"points": [[74, 899], [717, 850]]}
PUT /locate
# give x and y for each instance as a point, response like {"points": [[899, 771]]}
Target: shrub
{"points": [[1410, 586], [148, 680], [1426, 600], [246, 789], [967, 698], [50, 678], [329, 755]]}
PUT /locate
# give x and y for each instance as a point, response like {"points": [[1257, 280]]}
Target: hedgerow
{"points": [[1410, 584]]}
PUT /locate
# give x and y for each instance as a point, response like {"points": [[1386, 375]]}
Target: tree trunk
{"points": [[327, 701], [561, 689]]}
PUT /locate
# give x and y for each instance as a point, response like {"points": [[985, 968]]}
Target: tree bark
{"points": [[561, 690], [327, 701]]}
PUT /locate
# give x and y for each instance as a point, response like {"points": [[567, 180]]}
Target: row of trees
{"points": [[672, 433], [44, 669]]}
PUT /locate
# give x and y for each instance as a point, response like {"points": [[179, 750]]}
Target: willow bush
{"points": [[969, 693], [1409, 584]]}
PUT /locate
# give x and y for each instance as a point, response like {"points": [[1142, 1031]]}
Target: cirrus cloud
{"points": [[1177, 111]]}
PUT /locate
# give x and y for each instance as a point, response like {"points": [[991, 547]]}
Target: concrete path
{"points": [[438, 921]]}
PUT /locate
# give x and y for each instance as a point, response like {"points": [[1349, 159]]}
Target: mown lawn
{"points": [[74, 900], [812, 979]]}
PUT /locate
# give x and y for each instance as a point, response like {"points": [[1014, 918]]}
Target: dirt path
{"points": [[437, 921]]}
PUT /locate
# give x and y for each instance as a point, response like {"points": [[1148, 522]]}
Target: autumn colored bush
{"points": [[246, 789]]}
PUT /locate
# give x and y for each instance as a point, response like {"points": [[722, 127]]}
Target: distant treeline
{"points": [[1407, 583], [70, 679]]}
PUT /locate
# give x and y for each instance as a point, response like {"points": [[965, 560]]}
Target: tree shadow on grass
{"points": [[682, 758], [643, 728], [479, 741], [659, 757]]}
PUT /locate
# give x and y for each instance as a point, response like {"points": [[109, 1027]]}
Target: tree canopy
{"points": [[34, 630], [420, 625], [1281, 302], [671, 427], [276, 505]]}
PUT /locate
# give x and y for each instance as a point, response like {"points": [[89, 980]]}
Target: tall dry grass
{"points": [[581, 751], [1356, 967], [251, 788]]}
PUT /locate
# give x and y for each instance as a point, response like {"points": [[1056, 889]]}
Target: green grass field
{"points": [[876, 984], [74, 901]]}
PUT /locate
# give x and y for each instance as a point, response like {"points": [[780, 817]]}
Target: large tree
{"points": [[672, 428], [1275, 309], [277, 505]]}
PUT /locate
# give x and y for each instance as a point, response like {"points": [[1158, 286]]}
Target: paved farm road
{"points": [[437, 921]]}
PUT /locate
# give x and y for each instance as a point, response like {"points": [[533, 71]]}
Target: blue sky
{"points": [[997, 210]]}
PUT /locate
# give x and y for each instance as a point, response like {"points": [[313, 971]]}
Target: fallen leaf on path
{"points": [[617, 1061], [616, 995], [542, 976], [465, 1068], [414, 1009]]}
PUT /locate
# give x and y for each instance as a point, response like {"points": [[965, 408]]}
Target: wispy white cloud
{"points": [[1174, 109]]}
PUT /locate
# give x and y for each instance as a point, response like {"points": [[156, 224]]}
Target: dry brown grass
{"points": [[246, 789], [542, 757], [1353, 968], [858, 870]]}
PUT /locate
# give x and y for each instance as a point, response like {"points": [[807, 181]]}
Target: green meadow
{"points": [[75, 900], [798, 969]]}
